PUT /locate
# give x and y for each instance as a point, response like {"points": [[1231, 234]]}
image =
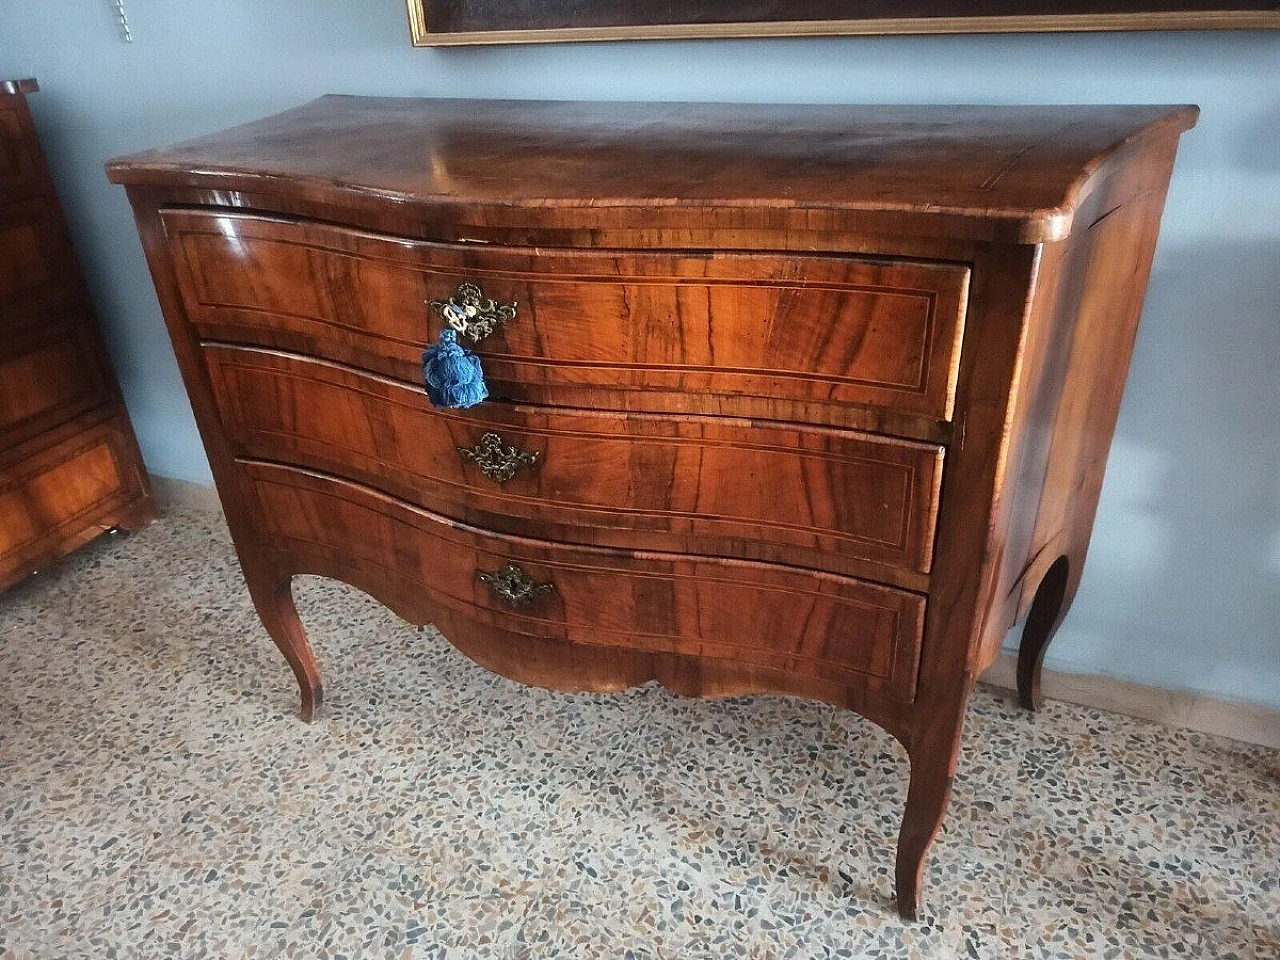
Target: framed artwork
{"points": [[450, 22]]}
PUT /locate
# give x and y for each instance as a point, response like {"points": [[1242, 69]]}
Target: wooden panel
{"points": [[707, 482], [1089, 301], [37, 269], [818, 625], [18, 166], [25, 238], [829, 329], [45, 378], [53, 496], [69, 464]]}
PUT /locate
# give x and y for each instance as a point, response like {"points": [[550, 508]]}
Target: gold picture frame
{"points": [[1134, 20]]}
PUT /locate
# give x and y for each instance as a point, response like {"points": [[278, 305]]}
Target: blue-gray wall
{"points": [[1182, 587]]}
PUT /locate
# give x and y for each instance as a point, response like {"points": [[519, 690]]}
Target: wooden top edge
{"points": [[1014, 173], [25, 85], [1178, 121]]}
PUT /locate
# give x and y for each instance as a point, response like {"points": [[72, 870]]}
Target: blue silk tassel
{"points": [[452, 373]]}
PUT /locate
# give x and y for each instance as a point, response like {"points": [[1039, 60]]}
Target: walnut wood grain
{"points": [[19, 166], [657, 252], [59, 494], [979, 173], [69, 464], [815, 329], [712, 485], [38, 268], [1081, 332], [47, 375], [809, 624]]}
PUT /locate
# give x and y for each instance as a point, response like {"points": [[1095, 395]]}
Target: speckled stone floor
{"points": [[158, 798]]}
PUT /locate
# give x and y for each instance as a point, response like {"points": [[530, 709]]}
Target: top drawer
{"points": [[822, 329]]}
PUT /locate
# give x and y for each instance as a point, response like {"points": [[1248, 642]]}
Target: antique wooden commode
{"points": [[814, 400], [69, 464]]}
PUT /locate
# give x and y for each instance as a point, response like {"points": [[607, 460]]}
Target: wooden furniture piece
{"points": [[802, 399], [69, 464]]}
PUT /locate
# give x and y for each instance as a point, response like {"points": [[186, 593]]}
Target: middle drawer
{"points": [[829, 499]]}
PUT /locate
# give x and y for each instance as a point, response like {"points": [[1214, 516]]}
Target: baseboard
{"points": [[172, 493], [1247, 722]]}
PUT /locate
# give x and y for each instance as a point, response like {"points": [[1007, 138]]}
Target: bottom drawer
{"points": [[46, 377], [820, 625], [55, 499]]}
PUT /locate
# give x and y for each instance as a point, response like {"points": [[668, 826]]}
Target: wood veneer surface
{"points": [[69, 464], [960, 171], [820, 396]]}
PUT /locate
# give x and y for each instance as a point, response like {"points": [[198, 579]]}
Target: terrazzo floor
{"points": [[158, 798]]}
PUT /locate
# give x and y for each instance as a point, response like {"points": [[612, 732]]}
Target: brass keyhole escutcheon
{"points": [[472, 314], [513, 585], [496, 458]]}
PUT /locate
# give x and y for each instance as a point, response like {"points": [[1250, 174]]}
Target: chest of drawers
{"points": [[69, 464], [810, 400]]}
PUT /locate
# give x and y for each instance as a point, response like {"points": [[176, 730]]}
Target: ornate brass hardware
{"points": [[498, 459], [514, 586], [472, 314]]}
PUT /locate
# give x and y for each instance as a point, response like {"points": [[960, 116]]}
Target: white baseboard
{"points": [[1247, 722], [185, 495]]}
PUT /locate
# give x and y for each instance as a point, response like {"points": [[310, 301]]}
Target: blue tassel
{"points": [[452, 373]]}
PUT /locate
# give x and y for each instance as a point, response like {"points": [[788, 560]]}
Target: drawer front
{"points": [[819, 625], [691, 484], [36, 266], [45, 378], [820, 329], [62, 490]]}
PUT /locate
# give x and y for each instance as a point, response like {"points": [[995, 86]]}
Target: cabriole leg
{"points": [[1048, 608], [273, 598], [933, 766]]}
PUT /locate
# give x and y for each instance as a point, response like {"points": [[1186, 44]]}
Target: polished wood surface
{"points": [[712, 484], [816, 406], [69, 465], [46, 376], [1012, 173], [828, 330], [38, 260], [65, 494], [837, 628]]}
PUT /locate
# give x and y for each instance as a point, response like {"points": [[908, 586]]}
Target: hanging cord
{"points": [[123, 18]]}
